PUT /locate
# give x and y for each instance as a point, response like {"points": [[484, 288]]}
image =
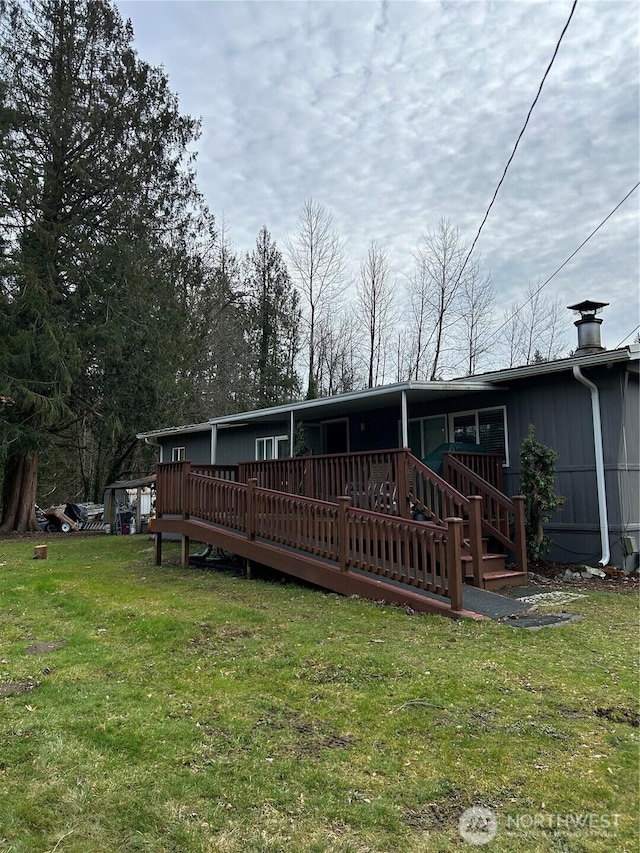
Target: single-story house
{"points": [[585, 407]]}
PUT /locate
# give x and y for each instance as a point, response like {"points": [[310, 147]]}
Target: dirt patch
{"points": [[314, 744], [442, 813], [43, 648], [616, 580], [13, 688], [627, 716]]}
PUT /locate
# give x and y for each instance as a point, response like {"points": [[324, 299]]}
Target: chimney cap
{"points": [[588, 307]]}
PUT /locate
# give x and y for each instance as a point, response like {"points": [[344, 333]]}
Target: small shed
{"points": [[117, 501]]}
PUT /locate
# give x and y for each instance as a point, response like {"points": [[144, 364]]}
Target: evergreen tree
{"points": [[537, 476], [275, 334], [95, 187]]}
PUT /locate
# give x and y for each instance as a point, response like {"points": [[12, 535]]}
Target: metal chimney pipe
{"points": [[588, 326]]}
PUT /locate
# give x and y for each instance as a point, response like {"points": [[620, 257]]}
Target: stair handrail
{"points": [[457, 499], [458, 505], [512, 507]]}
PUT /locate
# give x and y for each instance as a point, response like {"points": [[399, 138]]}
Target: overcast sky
{"points": [[395, 114]]}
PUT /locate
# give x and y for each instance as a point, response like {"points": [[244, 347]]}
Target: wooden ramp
{"points": [[380, 525], [321, 571]]}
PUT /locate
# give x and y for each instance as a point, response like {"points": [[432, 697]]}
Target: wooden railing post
{"points": [[402, 484], [252, 482], [454, 561], [184, 489], [186, 507], [519, 534], [343, 539], [475, 537]]}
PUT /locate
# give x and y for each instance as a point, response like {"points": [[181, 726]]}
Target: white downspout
{"points": [[597, 440], [155, 444]]}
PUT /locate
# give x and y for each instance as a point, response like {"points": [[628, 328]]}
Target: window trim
{"points": [[476, 412], [274, 439], [420, 420], [178, 454]]}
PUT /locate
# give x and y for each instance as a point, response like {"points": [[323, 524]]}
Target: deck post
{"points": [[402, 483], [184, 552], [252, 482], [475, 537], [186, 472], [185, 504], [520, 538], [344, 503], [454, 561]]}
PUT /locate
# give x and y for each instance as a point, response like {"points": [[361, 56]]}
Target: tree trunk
{"points": [[20, 515]]}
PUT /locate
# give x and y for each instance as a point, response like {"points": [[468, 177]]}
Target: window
{"points": [[487, 427], [272, 447], [425, 434], [177, 454]]}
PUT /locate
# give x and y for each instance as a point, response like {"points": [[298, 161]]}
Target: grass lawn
{"points": [[197, 711]]}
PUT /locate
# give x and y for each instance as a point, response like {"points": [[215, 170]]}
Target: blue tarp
{"points": [[434, 459]]}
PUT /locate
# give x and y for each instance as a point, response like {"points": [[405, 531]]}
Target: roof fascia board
{"points": [[182, 430], [594, 360], [452, 386]]}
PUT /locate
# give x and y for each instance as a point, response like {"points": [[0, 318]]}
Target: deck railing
{"points": [[169, 486], [488, 466], [373, 480], [423, 555], [301, 523], [412, 553], [432, 495], [501, 517], [216, 500], [222, 472]]}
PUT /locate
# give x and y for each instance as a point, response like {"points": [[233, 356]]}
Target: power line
{"points": [[564, 263], [520, 135], [628, 336]]}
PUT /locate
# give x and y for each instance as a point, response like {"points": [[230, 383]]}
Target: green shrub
{"points": [[537, 474]]}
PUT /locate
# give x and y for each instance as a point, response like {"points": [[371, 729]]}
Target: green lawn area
{"points": [[198, 711]]}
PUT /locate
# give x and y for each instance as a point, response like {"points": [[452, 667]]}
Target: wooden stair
{"points": [[499, 579], [495, 574]]}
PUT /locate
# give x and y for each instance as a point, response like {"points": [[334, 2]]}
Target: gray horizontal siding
{"points": [[238, 444], [197, 446]]}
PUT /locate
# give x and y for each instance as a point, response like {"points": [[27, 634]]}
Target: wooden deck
{"points": [[380, 525]]}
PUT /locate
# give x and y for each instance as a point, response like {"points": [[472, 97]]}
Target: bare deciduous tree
{"points": [[375, 311], [433, 292], [336, 367], [533, 332], [317, 264], [476, 308]]}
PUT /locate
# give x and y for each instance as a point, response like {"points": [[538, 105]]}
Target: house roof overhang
{"points": [[186, 428], [369, 400], [387, 396], [608, 358]]}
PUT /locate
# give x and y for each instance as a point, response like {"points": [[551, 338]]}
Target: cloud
{"points": [[393, 114]]}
